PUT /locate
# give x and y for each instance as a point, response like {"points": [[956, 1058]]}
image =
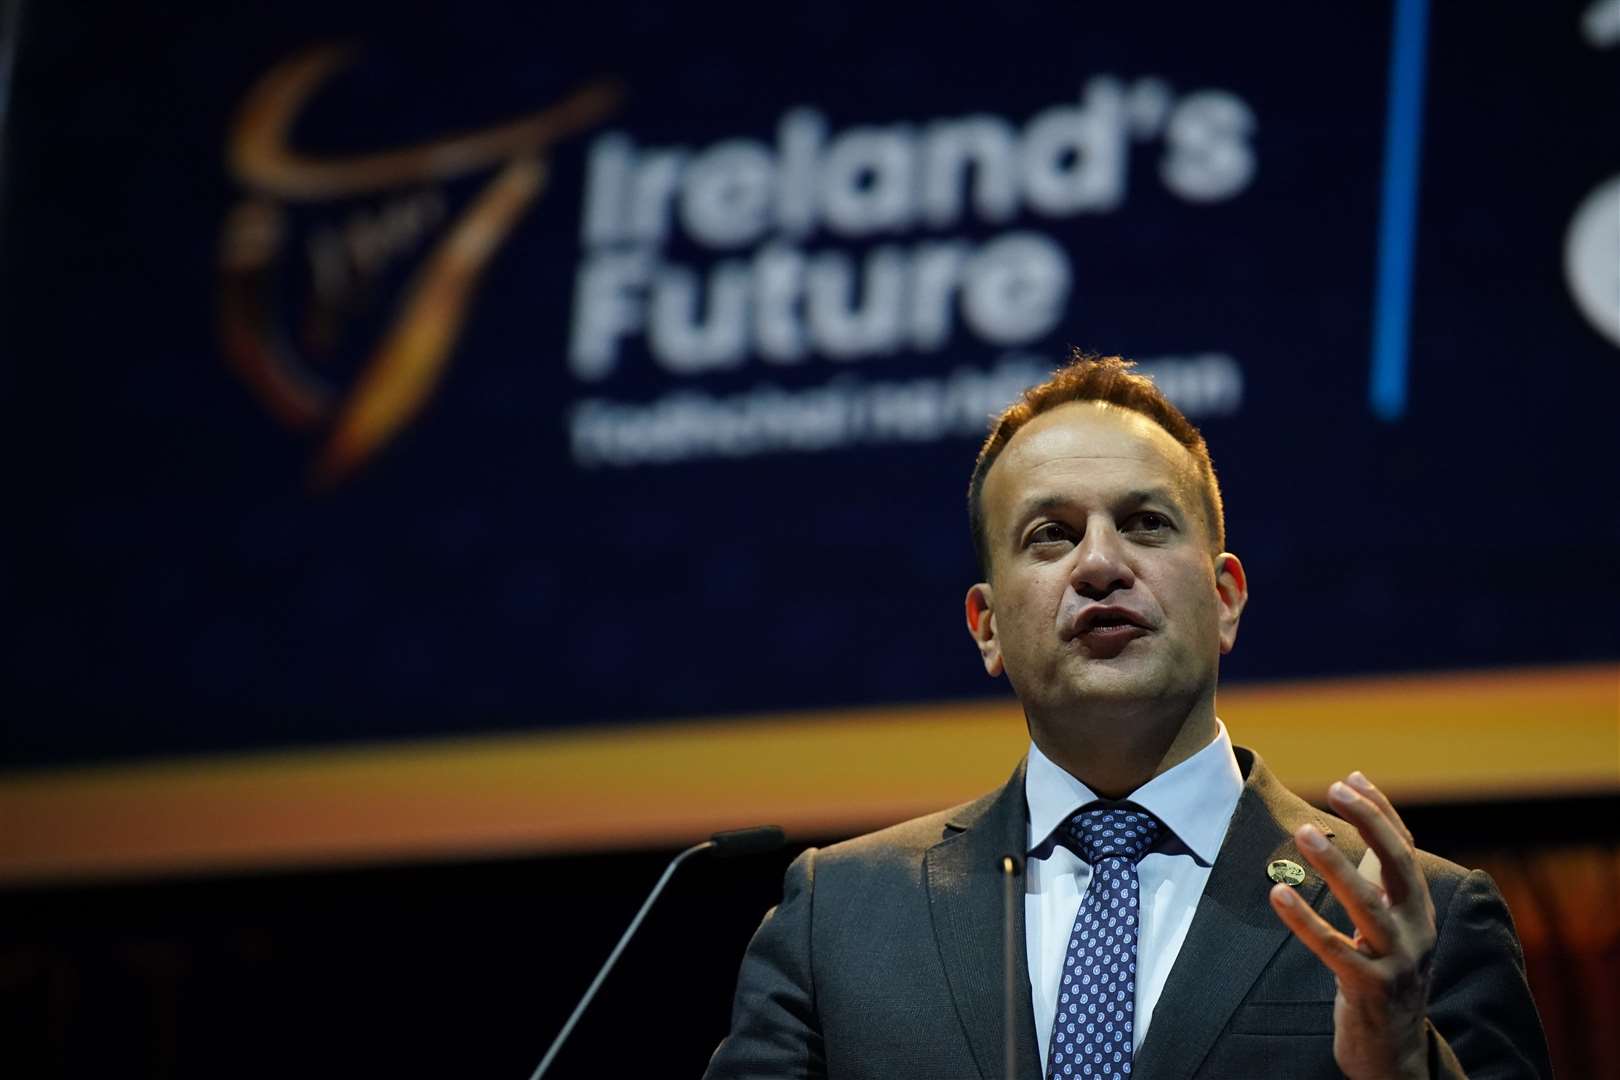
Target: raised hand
{"points": [[1379, 1026]]}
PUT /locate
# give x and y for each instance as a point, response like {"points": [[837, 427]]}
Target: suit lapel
{"points": [[965, 890], [1234, 932]]}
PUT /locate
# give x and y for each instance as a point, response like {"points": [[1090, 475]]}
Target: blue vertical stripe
{"points": [[1397, 226]]}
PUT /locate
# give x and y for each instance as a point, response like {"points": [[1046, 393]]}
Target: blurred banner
{"points": [[405, 406]]}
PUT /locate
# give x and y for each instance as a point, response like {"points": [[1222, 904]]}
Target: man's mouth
{"points": [[1095, 619], [1105, 631]]}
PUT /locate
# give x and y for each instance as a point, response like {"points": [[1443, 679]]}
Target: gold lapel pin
{"points": [[1286, 872]]}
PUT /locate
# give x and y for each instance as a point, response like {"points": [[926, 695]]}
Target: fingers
{"points": [[1380, 907], [1362, 899], [1335, 950], [1386, 834], [1367, 789]]}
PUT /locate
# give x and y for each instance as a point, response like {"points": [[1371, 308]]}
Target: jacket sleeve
{"points": [[1483, 1023], [775, 1031]]}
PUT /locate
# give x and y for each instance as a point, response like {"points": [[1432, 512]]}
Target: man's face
{"points": [[1104, 588]]}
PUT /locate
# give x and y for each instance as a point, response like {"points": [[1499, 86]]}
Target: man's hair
{"points": [[1106, 379]]}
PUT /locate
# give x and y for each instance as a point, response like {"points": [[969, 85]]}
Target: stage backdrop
{"points": [[526, 427]]}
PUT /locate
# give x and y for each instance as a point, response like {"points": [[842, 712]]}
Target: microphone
{"points": [[1011, 867], [724, 845], [755, 841]]}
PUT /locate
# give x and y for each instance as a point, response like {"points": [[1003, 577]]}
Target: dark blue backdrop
{"points": [[178, 584]]}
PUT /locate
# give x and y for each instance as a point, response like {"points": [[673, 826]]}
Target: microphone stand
{"points": [[730, 844], [613, 957], [1011, 867]]}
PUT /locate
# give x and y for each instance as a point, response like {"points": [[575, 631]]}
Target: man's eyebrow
{"points": [[1040, 504], [1046, 504], [1162, 495]]}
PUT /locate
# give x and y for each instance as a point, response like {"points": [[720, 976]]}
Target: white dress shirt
{"points": [[1194, 800]]}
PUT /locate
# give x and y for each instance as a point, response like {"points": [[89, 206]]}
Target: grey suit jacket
{"points": [[885, 961]]}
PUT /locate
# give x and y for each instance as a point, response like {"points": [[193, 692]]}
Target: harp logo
{"points": [[315, 242]]}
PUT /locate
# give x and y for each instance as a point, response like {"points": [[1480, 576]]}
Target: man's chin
{"points": [[1129, 678], [1110, 687]]}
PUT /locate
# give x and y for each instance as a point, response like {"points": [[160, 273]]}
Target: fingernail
{"points": [[1339, 790], [1283, 896], [1360, 780], [1313, 839]]}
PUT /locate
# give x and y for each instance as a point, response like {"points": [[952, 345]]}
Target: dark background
{"points": [[177, 586]]}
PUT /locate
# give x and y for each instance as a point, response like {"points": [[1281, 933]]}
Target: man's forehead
{"points": [[1075, 433]]}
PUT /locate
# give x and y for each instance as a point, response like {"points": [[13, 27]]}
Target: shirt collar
{"points": [[1194, 800]]}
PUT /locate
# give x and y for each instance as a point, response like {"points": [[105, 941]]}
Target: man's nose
{"points": [[1100, 566]]}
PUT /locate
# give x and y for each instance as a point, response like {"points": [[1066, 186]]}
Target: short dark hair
{"points": [[1106, 379]]}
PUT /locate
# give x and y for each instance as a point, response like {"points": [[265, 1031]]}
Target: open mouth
{"points": [[1104, 633], [1108, 618]]}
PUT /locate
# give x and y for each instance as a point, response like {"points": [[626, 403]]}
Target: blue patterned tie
{"points": [[1091, 1034]]}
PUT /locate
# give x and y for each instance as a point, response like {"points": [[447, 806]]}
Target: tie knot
{"points": [[1122, 830]]}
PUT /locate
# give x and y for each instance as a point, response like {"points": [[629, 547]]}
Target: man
{"points": [[1182, 913]]}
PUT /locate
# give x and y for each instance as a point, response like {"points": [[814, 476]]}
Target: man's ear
{"points": [[981, 623], [1232, 589]]}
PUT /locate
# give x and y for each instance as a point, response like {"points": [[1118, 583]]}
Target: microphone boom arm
{"points": [[613, 957]]}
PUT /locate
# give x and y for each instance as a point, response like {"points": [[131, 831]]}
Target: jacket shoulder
{"points": [[907, 840], [1290, 811]]}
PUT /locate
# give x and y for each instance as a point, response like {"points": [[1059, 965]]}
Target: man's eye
{"points": [[1051, 533], [1149, 521]]}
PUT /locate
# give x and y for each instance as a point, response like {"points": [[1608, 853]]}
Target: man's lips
{"points": [[1105, 618], [1104, 630]]}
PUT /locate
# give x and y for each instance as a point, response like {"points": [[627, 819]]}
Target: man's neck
{"points": [[1117, 755]]}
